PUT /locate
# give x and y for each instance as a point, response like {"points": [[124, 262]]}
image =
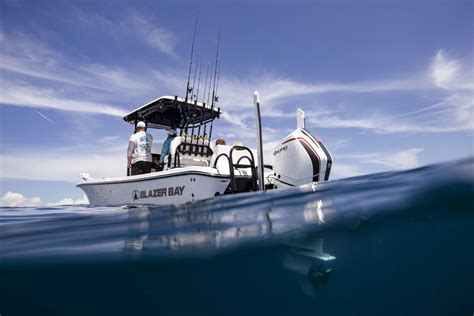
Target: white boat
{"points": [[197, 170]]}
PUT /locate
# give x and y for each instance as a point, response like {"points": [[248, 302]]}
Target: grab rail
{"points": [[239, 165]]}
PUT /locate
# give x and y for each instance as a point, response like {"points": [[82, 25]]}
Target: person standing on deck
{"points": [[165, 150], [139, 150]]}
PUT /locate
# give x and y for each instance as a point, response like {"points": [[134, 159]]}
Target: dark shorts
{"points": [[141, 167]]}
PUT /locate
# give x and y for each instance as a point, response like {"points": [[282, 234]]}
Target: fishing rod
{"points": [[209, 91], [197, 92], [205, 84], [208, 98], [216, 98], [203, 100], [215, 85], [215, 68], [191, 90], [199, 79], [188, 89], [194, 78]]}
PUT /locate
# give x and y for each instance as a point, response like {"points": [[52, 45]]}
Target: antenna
{"points": [[188, 89]]}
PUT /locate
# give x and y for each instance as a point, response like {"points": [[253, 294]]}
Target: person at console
{"points": [[165, 150], [139, 150]]}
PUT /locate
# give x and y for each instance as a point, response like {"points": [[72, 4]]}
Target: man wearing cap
{"points": [[165, 150], [139, 150]]}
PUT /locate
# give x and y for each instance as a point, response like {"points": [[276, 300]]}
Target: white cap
{"points": [[172, 131], [141, 124]]}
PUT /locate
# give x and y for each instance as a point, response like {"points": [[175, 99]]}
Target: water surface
{"points": [[402, 242]]}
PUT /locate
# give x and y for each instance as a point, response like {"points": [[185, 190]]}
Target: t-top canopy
{"points": [[167, 112]]}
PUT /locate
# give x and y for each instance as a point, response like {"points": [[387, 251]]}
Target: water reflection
{"points": [[209, 228], [213, 225]]}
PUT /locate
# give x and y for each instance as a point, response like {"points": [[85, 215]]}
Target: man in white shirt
{"points": [[139, 151]]}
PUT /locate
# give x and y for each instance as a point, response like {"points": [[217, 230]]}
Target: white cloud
{"points": [[404, 159], [68, 201], [444, 71], [452, 113], [35, 97], [64, 164], [13, 199], [71, 84], [440, 119]]}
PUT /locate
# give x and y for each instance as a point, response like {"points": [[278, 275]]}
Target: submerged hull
{"points": [[175, 186]]}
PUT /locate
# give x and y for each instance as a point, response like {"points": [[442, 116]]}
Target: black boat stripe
{"points": [[314, 160], [329, 161], [326, 152], [310, 136]]}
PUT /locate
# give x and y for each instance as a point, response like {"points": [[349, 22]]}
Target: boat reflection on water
{"points": [[213, 225]]}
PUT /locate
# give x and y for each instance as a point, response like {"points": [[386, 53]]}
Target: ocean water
{"points": [[401, 243]]}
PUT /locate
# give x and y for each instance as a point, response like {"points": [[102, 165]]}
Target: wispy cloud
{"points": [[45, 117], [154, 35], [24, 55], [65, 83], [133, 24], [35, 97], [355, 164], [444, 71], [450, 74], [402, 159], [453, 112], [36, 163]]}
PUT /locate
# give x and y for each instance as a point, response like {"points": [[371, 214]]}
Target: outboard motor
{"points": [[300, 158]]}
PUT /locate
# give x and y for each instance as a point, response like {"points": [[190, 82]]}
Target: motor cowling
{"points": [[300, 158]]}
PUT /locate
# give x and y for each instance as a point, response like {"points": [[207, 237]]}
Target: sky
{"points": [[387, 85]]}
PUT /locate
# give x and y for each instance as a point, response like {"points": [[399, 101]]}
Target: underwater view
{"points": [[393, 243]]}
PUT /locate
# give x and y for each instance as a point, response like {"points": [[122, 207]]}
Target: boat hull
{"points": [[176, 186]]}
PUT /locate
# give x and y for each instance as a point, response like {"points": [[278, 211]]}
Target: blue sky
{"points": [[386, 84]]}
